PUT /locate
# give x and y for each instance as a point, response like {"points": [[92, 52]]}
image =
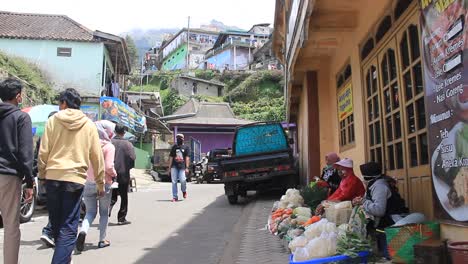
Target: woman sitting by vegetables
{"points": [[350, 186]]}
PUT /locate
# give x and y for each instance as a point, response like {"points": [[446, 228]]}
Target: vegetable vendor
{"points": [[350, 186], [330, 173]]}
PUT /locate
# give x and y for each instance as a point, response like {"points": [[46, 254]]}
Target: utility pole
{"points": [[188, 44]]}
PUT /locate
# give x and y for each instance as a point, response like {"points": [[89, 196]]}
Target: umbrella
{"points": [[39, 115]]}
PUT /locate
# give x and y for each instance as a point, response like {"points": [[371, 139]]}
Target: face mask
{"points": [[180, 141], [341, 173]]}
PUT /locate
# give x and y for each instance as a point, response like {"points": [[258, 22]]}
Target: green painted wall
{"points": [[176, 60], [142, 159]]}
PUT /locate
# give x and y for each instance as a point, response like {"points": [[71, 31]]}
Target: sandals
{"points": [[103, 244]]}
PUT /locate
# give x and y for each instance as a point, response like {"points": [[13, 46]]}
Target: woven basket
{"points": [[402, 239]]}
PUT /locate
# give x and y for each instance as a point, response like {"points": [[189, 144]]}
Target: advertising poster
{"points": [[444, 32], [91, 111], [345, 102], [114, 110]]}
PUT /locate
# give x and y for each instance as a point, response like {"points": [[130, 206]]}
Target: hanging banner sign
{"points": [[345, 102], [114, 110], [444, 39]]}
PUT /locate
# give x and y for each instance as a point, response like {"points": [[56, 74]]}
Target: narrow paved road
{"points": [[203, 229]]}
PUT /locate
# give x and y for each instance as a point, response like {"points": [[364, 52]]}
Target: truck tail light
{"points": [[231, 174], [283, 168]]}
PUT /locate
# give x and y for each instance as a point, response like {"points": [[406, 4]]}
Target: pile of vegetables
{"points": [[311, 236]]}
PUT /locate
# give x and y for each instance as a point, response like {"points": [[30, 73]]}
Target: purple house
{"points": [[212, 124]]}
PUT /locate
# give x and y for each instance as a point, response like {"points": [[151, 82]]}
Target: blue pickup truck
{"points": [[262, 159]]}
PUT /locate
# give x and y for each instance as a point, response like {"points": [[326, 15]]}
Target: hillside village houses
{"points": [[67, 52], [208, 49]]}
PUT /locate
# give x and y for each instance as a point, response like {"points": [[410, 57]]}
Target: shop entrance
{"points": [[395, 111]]}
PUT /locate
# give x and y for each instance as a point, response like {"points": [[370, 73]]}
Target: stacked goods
{"points": [[338, 213]]}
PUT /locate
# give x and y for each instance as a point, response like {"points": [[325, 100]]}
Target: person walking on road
{"points": [[179, 162], [124, 162], [46, 237], [70, 145], [16, 160], [92, 201]]}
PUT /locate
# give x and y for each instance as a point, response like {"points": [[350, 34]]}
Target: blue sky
{"points": [[114, 16]]}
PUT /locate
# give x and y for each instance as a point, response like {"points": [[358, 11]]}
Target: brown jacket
{"points": [[124, 155]]}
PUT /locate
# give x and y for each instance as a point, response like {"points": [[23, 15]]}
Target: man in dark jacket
{"points": [[16, 159], [124, 161]]}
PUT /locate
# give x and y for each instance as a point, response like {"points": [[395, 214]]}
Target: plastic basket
{"points": [[338, 216], [362, 258]]}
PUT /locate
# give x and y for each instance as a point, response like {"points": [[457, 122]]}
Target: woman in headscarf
{"points": [[91, 199], [330, 173]]}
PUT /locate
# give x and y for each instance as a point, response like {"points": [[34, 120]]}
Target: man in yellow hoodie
{"points": [[70, 144]]}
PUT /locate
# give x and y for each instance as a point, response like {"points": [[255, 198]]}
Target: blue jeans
{"points": [[63, 203], [47, 230], [91, 201], [178, 174]]}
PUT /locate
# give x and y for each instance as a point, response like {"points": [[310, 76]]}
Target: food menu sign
{"points": [[444, 38]]}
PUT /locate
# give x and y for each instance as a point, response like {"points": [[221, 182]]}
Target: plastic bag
{"points": [[322, 246], [315, 229], [304, 211], [343, 205], [301, 254], [300, 241]]}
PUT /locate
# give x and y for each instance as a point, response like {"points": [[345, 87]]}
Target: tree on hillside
{"points": [[132, 51]]}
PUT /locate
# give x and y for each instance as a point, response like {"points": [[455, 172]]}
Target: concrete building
{"points": [[173, 53], [67, 52], [190, 86], [233, 50], [355, 84]]}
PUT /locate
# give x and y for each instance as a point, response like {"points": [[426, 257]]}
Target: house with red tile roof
{"points": [[69, 54]]}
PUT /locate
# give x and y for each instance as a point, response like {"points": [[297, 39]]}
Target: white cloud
{"points": [[119, 16]]}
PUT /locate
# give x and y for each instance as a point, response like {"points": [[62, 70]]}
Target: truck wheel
{"points": [[233, 199]]}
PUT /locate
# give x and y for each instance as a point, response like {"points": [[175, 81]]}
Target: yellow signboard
{"points": [[345, 102]]}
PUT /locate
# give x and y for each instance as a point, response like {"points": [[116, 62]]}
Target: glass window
{"points": [[371, 135], [414, 42], [372, 154], [397, 122], [399, 155], [392, 64], [389, 129], [395, 96], [377, 133], [385, 71], [379, 155], [388, 106], [370, 111], [404, 51], [376, 106], [423, 149], [374, 79], [368, 85], [411, 119], [413, 152], [408, 86], [418, 81], [421, 113], [391, 157]]}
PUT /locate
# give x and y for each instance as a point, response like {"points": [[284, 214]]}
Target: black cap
{"points": [[371, 169]]}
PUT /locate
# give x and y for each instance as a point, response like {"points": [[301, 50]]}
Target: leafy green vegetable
{"points": [[350, 245], [314, 195]]}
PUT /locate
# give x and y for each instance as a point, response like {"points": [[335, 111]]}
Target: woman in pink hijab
{"points": [[92, 201], [329, 172]]}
